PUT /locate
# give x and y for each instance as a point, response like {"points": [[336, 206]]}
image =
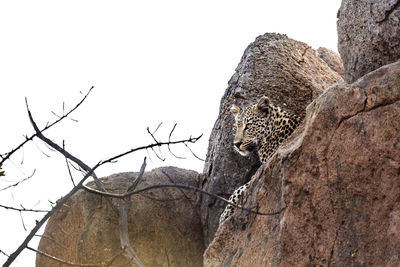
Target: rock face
{"points": [[369, 35], [164, 225], [332, 59], [338, 177], [291, 74]]}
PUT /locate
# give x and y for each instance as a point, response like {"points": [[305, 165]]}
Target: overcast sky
{"points": [[149, 62]]}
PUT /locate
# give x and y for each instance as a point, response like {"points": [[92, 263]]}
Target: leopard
{"points": [[260, 128]]}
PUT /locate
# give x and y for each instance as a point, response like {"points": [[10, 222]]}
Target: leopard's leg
{"points": [[234, 198]]}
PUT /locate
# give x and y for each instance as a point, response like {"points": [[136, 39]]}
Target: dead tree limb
{"points": [[90, 173], [17, 183], [40, 223], [181, 186], [66, 154], [21, 209], [7, 155], [124, 204]]}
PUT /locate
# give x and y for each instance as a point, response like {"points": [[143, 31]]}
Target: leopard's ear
{"points": [[263, 105], [235, 110]]}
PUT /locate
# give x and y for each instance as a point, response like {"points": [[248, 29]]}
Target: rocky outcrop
{"points": [[291, 74], [332, 59], [338, 178], [164, 225], [368, 34]]}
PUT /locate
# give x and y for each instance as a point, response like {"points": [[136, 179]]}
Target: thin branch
{"points": [[69, 172], [90, 172], [169, 139], [77, 168], [53, 240], [182, 186], [63, 261], [123, 209], [40, 135], [159, 157], [159, 125], [56, 114], [124, 234], [161, 199], [69, 169], [17, 183], [139, 177], [40, 223], [22, 219], [5, 254], [193, 153], [23, 156], [157, 144], [71, 263], [80, 185], [151, 134], [7, 155], [172, 181], [21, 209]]}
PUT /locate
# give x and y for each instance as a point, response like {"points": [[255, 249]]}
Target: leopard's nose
{"points": [[237, 144]]}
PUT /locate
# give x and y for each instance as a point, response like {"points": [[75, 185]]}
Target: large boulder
{"points": [[368, 34], [291, 74], [164, 224], [338, 178]]}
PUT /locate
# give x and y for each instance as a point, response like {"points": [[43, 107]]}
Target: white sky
{"points": [[150, 62]]}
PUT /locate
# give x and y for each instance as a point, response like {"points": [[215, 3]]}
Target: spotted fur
{"points": [[261, 127], [234, 198]]}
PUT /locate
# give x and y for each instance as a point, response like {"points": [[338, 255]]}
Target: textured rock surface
{"points": [[338, 177], [332, 59], [291, 74], [368, 34], [163, 232]]}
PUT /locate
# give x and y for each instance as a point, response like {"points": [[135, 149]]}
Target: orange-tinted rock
{"points": [[338, 177], [291, 74]]}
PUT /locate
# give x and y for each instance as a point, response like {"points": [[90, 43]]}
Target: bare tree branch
{"points": [[17, 183], [80, 185], [21, 209], [40, 135], [182, 186], [5, 254], [7, 155], [160, 157], [139, 177], [63, 261], [169, 138], [157, 144], [193, 153], [22, 219], [123, 207], [39, 224], [103, 264], [172, 181], [89, 172], [69, 169], [124, 233]]}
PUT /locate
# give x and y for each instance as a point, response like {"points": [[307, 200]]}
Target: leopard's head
{"points": [[250, 125]]}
